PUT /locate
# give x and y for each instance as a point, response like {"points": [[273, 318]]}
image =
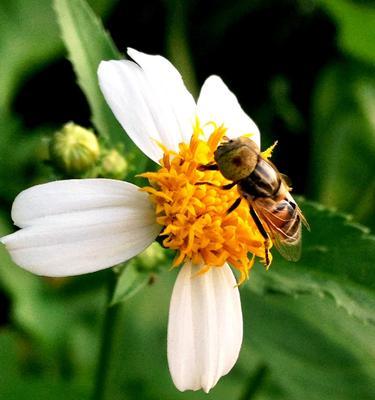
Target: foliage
{"points": [[356, 27], [88, 44], [309, 326], [337, 261], [344, 140], [24, 27]]}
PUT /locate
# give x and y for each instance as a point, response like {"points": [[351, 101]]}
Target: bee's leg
{"points": [[224, 187], [206, 183], [209, 167], [234, 205], [229, 186], [264, 234], [267, 253]]}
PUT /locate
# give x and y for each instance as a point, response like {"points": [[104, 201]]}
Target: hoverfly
{"points": [[273, 209]]}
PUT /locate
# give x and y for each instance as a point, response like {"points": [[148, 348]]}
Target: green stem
{"points": [[177, 44], [255, 382], [106, 345]]}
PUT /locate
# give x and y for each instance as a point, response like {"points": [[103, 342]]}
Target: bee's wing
{"points": [[285, 232], [298, 210], [288, 246]]}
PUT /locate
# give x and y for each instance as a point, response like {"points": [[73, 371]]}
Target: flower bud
{"points": [[74, 150], [113, 165]]}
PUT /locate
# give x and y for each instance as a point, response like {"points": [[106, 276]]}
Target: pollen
{"points": [[195, 214]]}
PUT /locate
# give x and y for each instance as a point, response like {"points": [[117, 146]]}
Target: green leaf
{"points": [[343, 150], [19, 155], [139, 271], [129, 282], [311, 349], [88, 44], [356, 27], [24, 28], [16, 356], [337, 261]]}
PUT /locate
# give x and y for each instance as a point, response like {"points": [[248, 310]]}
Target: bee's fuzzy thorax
{"points": [[237, 158]]}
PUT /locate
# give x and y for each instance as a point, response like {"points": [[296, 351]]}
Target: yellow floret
{"points": [[194, 217]]}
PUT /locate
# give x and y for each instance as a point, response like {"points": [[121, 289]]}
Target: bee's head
{"points": [[237, 158]]}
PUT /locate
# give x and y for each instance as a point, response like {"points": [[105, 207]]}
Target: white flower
{"points": [[79, 226]]}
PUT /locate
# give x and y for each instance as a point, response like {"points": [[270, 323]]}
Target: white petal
{"points": [[149, 100], [61, 197], [205, 327], [125, 90], [218, 104], [174, 100], [79, 226]]}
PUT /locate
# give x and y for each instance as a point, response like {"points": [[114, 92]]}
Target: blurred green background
{"points": [[304, 71]]}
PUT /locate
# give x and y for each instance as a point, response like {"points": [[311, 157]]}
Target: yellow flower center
{"points": [[195, 218]]}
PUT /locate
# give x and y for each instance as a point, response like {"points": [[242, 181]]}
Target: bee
{"points": [[273, 209]]}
